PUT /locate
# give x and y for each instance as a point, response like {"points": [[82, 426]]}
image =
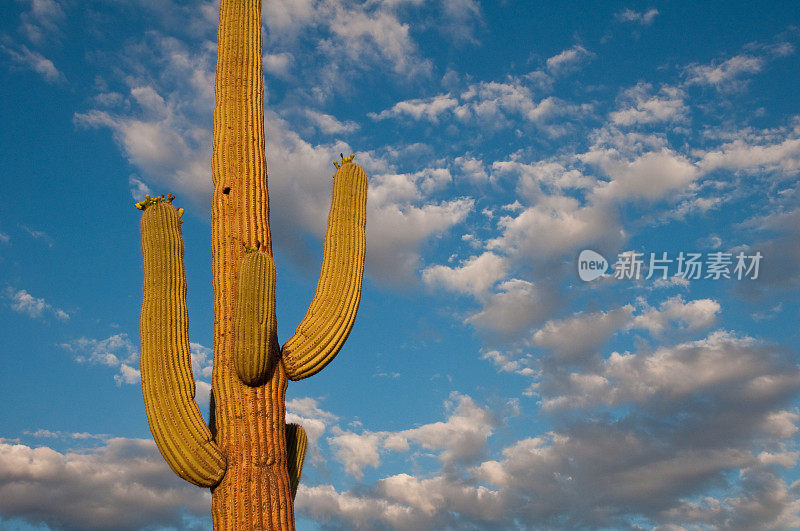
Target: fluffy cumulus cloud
{"points": [[121, 484], [559, 478], [738, 369], [514, 308], [641, 106], [475, 276], [581, 334], [461, 438], [692, 315]]}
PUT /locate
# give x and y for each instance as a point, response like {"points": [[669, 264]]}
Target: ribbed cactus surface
{"points": [[166, 365], [329, 319], [296, 444], [251, 459], [256, 349]]}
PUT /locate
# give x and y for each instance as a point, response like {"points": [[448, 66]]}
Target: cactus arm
{"points": [[167, 384], [255, 349], [296, 444], [330, 317]]}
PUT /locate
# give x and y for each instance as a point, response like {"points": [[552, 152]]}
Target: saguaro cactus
{"points": [[249, 457]]}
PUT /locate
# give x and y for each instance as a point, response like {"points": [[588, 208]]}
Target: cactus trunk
{"points": [[256, 489], [249, 457]]}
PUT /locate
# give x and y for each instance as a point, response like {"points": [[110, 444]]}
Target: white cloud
{"points": [[128, 375], [490, 105], [42, 21], [553, 226], [23, 302], [539, 178], [462, 437], [35, 61], [724, 73], [782, 424], [693, 315], [138, 188], [580, 335], [721, 363], [277, 64], [471, 168], [428, 108], [458, 439], [202, 360], [568, 59], [652, 175], [111, 351], [645, 18], [315, 421], [122, 484], [119, 352], [740, 155], [356, 451], [358, 35], [506, 362], [514, 308], [393, 255], [474, 276], [329, 124], [641, 106], [161, 123]]}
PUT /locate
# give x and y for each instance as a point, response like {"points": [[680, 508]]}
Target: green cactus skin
{"points": [[256, 349], [324, 329], [250, 457], [166, 368]]}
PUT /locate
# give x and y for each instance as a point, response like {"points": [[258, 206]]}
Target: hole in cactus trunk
{"points": [[226, 190]]}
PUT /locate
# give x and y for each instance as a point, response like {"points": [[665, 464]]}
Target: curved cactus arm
{"points": [[296, 444], [330, 317], [167, 384], [255, 350]]}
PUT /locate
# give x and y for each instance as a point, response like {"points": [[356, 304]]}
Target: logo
{"points": [[591, 265]]}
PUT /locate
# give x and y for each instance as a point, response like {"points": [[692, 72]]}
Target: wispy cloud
{"points": [[116, 351], [23, 302], [645, 18], [34, 61]]}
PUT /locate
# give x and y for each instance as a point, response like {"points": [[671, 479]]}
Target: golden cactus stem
{"points": [[167, 383], [330, 317], [256, 350], [296, 444], [250, 420]]}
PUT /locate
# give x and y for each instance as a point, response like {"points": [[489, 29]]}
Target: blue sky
{"points": [[485, 385]]}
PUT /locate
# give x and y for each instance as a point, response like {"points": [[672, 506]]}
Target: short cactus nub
{"points": [[296, 443], [167, 384], [255, 349]]}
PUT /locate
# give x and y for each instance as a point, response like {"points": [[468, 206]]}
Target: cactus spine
{"points": [[250, 458]]}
